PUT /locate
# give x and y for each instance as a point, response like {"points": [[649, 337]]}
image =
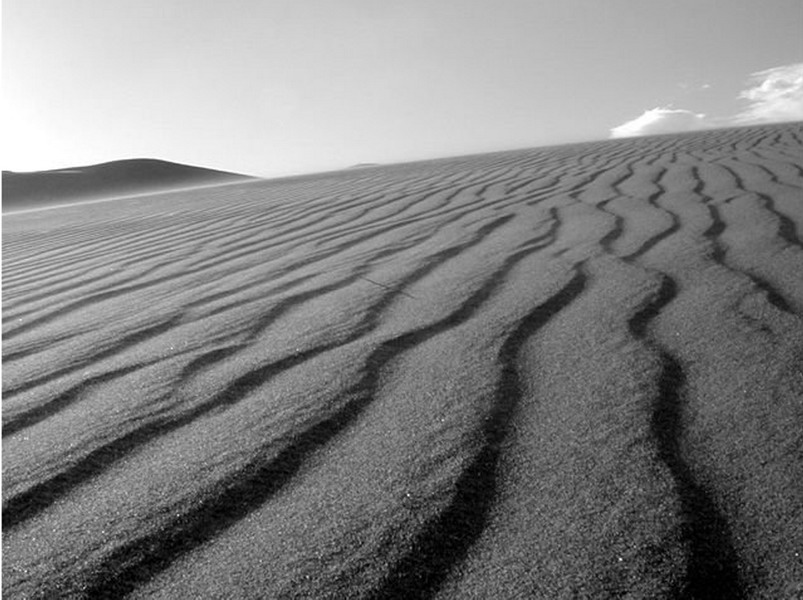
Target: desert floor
{"points": [[566, 372]]}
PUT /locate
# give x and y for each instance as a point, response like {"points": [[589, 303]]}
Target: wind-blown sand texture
{"points": [[567, 372]]}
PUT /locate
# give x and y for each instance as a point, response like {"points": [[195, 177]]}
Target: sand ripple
{"points": [[563, 372]]}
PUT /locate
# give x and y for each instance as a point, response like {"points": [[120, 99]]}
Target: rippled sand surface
{"points": [[566, 372]]}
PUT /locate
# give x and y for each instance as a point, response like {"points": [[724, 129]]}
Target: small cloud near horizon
{"points": [[774, 95], [661, 120]]}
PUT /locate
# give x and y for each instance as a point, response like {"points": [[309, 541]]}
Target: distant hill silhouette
{"points": [[39, 189]]}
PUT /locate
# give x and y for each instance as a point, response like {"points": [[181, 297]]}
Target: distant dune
{"points": [[566, 372], [364, 165], [38, 189]]}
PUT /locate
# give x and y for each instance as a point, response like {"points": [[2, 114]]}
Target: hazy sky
{"points": [[271, 87]]}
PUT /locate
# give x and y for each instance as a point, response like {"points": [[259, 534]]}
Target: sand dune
{"points": [[566, 372], [39, 189]]}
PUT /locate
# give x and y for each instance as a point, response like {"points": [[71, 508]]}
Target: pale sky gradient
{"points": [[274, 87]]}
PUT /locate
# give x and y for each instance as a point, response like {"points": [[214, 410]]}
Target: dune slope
{"points": [[566, 372], [39, 189]]}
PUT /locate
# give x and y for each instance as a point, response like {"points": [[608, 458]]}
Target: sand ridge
{"points": [[39, 190], [561, 372]]}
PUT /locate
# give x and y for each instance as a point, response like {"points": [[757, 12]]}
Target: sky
{"points": [[279, 87]]}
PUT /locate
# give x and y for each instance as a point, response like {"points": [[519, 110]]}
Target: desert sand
{"points": [[104, 181], [565, 372]]}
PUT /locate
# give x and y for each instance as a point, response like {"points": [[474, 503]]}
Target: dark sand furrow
{"points": [[445, 541], [629, 440], [412, 205], [644, 181], [65, 348], [32, 416], [615, 232], [38, 497], [65, 241], [433, 262], [606, 187], [535, 198], [199, 245], [94, 298], [279, 252], [180, 340], [788, 227], [578, 471], [534, 182], [365, 201], [214, 240], [674, 225], [427, 185], [574, 183], [260, 324], [713, 233], [794, 136], [253, 284], [310, 222], [145, 240], [102, 296], [42, 495], [41, 412], [524, 185], [712, 570], [329, 570], [383, 254], [371, 235], [35, 498], [780, 167], [719, 254], [32, 347], [719, 305], [587, 179], [139, 561], [443, 207], [766, 171], [712, 565], [74, 284], [454, 214], [699, 182], [78, 289], [119, 347], [547, 179], [27, 280], [772, 294], [126, 342], [532, 194], [585, 229], [250, 299], [498, 185], [514, 203], [414, 238], [80, 272]]}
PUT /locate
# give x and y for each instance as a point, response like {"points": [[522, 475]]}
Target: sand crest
{"points": [[118, 179]]}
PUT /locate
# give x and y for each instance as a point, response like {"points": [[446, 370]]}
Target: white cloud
{"points": [[661, 120], [775, 95]]}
